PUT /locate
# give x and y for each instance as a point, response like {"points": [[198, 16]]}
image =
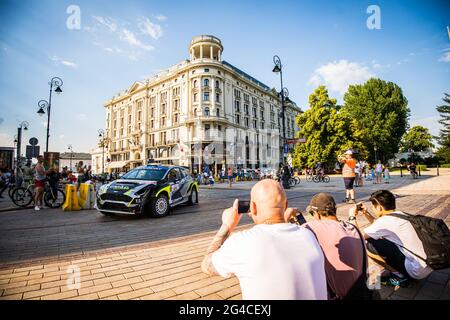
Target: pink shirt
{"points": [[343, 251]]}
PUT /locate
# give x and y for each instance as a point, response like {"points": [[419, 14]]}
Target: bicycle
{"points": [[53, 197], [321, 178]]}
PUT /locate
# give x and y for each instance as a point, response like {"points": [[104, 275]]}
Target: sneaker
{"points": [[37, 208], [345, 200], [352, 201], [394, 280]]}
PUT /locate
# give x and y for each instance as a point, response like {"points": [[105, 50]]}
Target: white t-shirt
{"points": [[400, 231], [274, 262]]}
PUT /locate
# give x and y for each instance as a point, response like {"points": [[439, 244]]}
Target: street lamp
{"points": [[23, 125], [278, 68], [43, 104], [103, 139], [69, 147]]}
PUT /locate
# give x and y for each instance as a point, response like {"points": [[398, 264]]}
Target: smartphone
{"points": [[301, 219], [244, 206]]}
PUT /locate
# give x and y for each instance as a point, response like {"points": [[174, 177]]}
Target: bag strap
{"points": [[363, 247], [406, 217]]}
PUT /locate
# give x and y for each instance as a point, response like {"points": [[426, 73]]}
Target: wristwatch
{"points": [[351, 218]]}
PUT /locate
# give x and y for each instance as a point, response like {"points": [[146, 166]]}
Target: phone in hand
{"points": [[244, 206], [301, 219]]}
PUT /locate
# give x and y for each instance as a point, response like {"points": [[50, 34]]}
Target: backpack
{"points": [[435, 237]]}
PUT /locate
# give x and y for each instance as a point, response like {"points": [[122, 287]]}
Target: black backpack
{"points": [[435, 237]]}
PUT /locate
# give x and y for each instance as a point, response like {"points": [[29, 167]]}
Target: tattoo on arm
{"points": [[216, 243]]}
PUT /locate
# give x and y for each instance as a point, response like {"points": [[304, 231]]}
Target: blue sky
{"points": [[319, 42]]}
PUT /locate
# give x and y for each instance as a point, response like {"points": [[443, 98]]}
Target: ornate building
{"points": [[202, 111]]}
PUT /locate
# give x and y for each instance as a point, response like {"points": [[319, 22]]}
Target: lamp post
{"points": [[69, 147], [54, 82], [278, 68], [23, 125], [103, 140], [375, 149]]}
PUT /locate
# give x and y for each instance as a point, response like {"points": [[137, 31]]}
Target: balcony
{"points": [[206, 88]]}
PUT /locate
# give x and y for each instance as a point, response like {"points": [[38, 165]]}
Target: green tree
{"points": [[327, 131], [381, 111], [417, 139], [443, 152]]}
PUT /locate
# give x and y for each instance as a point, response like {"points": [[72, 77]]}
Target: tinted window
{"points": [[185, 172], [174, 175], [146, 174]]}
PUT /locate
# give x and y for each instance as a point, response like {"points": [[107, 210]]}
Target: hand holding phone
{"points": [[244, 206]]}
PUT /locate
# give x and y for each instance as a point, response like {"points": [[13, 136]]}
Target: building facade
{"points": [[202, 111]]}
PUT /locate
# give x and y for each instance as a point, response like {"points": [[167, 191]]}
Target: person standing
{"points": [[357, 176], [348, 173], [230, 177], [39, 183], [379, 171]]}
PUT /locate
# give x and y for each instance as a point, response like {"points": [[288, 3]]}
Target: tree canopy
{"points": [[417, 139]]}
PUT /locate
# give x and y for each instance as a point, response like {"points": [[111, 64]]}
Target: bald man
{"points": [[273, 260]]}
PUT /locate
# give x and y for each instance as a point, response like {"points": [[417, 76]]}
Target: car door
{"points": [[184, 184], [174, 178]]}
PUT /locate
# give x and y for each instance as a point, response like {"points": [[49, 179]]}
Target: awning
{"points": [[117, 164]]}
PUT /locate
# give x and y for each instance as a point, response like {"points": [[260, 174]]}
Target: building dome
{"points": [[205, 47]]}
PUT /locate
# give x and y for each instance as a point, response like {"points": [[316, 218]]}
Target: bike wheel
{"points": [[22, 197], [297, 180], [309, 178], [10, 192], [326, 179], [316, 179], [54, 200], [292, 182]]}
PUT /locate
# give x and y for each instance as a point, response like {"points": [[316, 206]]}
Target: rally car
{"points": [[148, 190]]}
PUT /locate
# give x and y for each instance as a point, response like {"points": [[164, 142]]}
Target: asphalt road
{"points": [[26, 234]]}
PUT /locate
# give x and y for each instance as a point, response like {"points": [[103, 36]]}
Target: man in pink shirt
{"points": [[343, 248]]}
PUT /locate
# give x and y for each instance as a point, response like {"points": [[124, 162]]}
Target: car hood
{"points": [[125, 186]]}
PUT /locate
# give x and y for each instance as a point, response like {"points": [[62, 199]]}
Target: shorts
{"points": [[349, 183], [389, 252], [39, 183]]}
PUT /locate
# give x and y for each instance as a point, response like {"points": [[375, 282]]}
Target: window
{"points": [[207, 112], [238, 119], [152, 112], [246, 109], [217, 97], [153, 100], [237, 107], [255, 124], [176, 104], [246, 122], [163, 108], [175, 118], [246, 97], [261, 113], [254, 112], [217, 112], [152, 124], [217, 83], [206, 82], [195, 97], [174, 175], [207, 131], [139, 115], [195, 83], [206, 96]]}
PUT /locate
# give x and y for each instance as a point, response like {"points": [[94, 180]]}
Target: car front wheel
{"points": [[160, 206], [193, 198]]}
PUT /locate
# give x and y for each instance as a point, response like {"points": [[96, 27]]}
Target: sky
{"points": [[118, 43]]}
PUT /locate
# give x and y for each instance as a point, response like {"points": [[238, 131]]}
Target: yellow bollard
{"points": [[71, 203], [82, 199]]}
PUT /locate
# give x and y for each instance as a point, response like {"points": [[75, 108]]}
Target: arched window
{"points": [[195, 83], [207, 112], [217, 112], [206, 82], [217, 83]]}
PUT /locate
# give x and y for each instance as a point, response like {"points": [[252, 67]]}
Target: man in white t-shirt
{"points": [[273, 260], [388, 236]]}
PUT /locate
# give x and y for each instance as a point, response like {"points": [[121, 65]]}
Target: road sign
{"points": [[34, 141], [286, 148], [32, 152]]}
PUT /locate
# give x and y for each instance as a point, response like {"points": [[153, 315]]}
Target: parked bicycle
{"points": [[53, 197]]}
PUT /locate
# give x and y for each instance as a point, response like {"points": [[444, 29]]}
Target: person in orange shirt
{"points": [[348, 172]]}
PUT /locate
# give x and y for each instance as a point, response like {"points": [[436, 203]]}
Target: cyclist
{"points": [[53, 177]]}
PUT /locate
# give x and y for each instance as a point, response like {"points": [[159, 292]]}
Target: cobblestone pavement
{"points": [[123, 257]]}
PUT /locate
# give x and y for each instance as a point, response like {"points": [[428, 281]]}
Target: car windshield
{"points": [[145, 174]]}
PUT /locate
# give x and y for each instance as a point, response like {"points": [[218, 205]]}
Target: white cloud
{"points": [[446, 56], [81, 116], [107, 22], [6, 140], [161, 17], [66, 63], [131, 39], [338, 75], [431, 123], [152, 29]]}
